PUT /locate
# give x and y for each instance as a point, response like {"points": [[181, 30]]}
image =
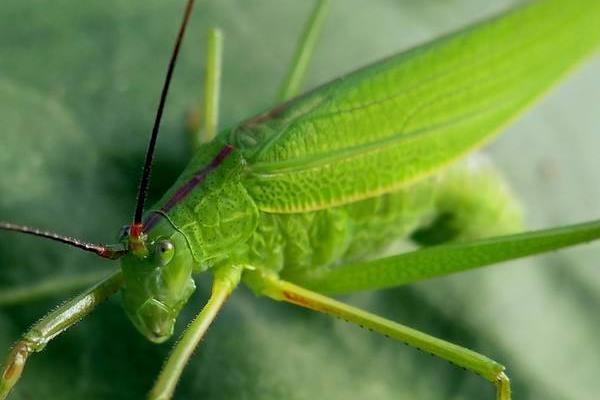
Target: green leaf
{"points": [[79, 83]]}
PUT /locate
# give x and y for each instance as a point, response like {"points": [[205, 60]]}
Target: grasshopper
{"points": [[298, 201]]}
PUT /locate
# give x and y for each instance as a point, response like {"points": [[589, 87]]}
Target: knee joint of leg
{"points": [[503, 386], [16, 361]]}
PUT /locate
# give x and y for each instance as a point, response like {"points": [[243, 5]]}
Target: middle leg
{"points": [[226, 279], [265, 283]]}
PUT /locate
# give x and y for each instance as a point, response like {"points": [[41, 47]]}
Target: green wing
{"points": [[397, 121]]}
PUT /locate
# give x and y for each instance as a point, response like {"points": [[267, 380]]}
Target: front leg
{"points": [[52, 325], [226, 279]]}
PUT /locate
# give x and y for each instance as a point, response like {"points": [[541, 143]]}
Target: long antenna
{"points": [[136, 227], [101, 250]]}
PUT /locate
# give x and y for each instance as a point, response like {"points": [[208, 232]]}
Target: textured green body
{"points": [[454, 205], [222, 222], [307, 190], [338, 173], [402, 119]]}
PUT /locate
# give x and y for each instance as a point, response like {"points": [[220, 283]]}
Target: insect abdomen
{"points": [[467, 201]]}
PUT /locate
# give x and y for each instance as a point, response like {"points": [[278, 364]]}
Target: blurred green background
{"points": [[79, 82]]}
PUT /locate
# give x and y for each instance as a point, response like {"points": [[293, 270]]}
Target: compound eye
{"points": [[164, 251]]}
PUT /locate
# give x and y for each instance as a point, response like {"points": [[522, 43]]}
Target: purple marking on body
{"points": [[184, 190]]}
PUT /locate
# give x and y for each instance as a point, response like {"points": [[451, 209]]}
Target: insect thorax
{"points": [[218, 216]]}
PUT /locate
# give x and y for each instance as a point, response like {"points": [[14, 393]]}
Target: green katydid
{"points": [[275, 173]]}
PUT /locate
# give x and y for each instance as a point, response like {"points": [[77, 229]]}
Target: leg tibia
{"points": [[226, 279], [306, 46], [446, 259], [203, 126], [280, 290]]}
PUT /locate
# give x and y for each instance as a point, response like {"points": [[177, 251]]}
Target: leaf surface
{"points": [[79, 84]]}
